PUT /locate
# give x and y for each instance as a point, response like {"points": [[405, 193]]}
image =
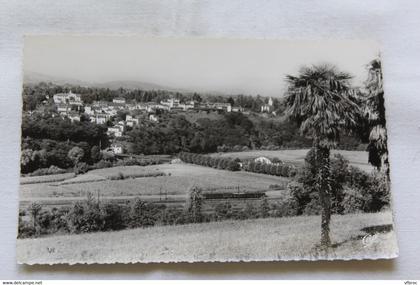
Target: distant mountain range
{"points": [[35, 77]]}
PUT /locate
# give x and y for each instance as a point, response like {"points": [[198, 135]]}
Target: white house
{"points": [[74, 116], [153, 118], [60, 98], [268, 107], [237, 109], [118, 100], [99, 119], [190, 105], [89, 110], [171, 103], [263, 160], [117, 130], [220, 106], [63, 108], [117, 148], [68, 98], [131, 121]]}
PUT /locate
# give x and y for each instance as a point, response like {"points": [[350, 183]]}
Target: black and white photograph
{"points": [[151, 149]]}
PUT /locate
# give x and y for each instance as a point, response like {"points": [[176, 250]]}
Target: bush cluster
{"points": [[277, 169], [122, 176], [235, 148], [42, 221], [353, 190], [107, 163], [139, 161], [209, 161], [46, 178], [91, 215], [48, 171]]}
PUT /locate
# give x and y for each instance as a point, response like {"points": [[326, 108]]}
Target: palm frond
{"points": [[320, 98]]}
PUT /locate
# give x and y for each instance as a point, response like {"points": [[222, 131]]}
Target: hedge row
{"points": [[277, 169], [93, 216], [46, 178], [209, 161], [122, 176]]}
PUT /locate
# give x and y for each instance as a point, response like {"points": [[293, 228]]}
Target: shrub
{"points": [[46, 178], [120, 176], [102, 164], [44, 222], [81, 168], [353, 189], [144, 214], [275, 187], [301, 195], [59, 220], [267, 168], [48, 171], [313, 207], [172, 216], [284, 208], [249, 212], [379, 191], [25, 229], [108, 156], [95, 154], [115, 216], [353, 201], [237, 148], [85, 216], [223, 211], [194, 204], [276, 160], [264, 208], [215, 162], [234, 165], [34, 210], [220, 164], [222, 148]]}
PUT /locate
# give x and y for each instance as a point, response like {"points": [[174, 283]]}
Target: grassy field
{"points": [[46, 178], [356, 158], [179, 178], [263, 239]]}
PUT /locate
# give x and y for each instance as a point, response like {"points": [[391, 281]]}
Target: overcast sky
{"points": [[205, 65]]}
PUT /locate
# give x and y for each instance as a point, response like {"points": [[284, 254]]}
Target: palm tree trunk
{"points": [[324, 191]]}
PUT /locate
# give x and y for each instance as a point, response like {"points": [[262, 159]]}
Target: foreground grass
{"points": [[262, 239]]}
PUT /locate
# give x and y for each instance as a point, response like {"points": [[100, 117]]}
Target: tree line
{"points": [[209, 161]]}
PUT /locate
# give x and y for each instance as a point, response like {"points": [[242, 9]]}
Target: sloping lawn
{"points": [[262, 239]]}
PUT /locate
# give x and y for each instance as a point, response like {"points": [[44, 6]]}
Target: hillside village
{"points": [[70, 105]]}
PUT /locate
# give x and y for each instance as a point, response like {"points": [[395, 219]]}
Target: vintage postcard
{"points": [[145, 150]]}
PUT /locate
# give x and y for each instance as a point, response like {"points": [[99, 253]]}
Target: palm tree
{"points": [[375, 114], [319, 99]]}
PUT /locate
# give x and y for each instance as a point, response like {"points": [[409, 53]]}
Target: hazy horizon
{"points": [[230, 66]]}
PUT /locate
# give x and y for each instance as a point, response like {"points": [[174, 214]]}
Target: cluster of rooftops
{"points": [[71, 105]]}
